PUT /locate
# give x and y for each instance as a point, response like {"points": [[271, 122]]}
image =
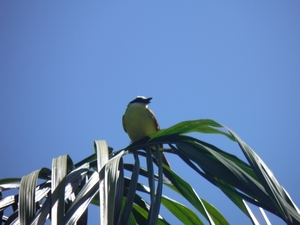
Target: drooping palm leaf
{"points": [[252, 181], [99, 179]]}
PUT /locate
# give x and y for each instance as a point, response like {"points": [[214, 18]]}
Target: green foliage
{"points": [[67, 189]]}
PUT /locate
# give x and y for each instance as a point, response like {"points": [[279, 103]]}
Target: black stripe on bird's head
{"points": [[141, 99]]}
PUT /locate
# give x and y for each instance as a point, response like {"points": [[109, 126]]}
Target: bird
{"points": [[139, 122]]}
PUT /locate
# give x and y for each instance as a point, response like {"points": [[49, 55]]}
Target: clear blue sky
{"points": [[69, 68]]}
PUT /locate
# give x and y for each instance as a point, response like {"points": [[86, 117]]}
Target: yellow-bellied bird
{"points": [[139, 121]]}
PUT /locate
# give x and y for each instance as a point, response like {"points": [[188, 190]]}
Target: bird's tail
{"points": [[164, 159]]}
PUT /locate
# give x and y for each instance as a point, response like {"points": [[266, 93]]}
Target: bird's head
{"points": [[141, 100]]}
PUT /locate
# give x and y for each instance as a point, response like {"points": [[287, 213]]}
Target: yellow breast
{"points": [[138, 122]]}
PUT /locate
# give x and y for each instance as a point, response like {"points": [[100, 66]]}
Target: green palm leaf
{"points": [[67, 189]]}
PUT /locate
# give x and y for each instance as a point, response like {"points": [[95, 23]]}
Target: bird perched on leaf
{"points": [[139, 121]]}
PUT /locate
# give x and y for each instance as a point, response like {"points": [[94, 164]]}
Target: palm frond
{"points": [[64, 193]]}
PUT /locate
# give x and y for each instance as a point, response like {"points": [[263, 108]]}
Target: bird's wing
{"points": [[123, 124], [155, 120]]}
